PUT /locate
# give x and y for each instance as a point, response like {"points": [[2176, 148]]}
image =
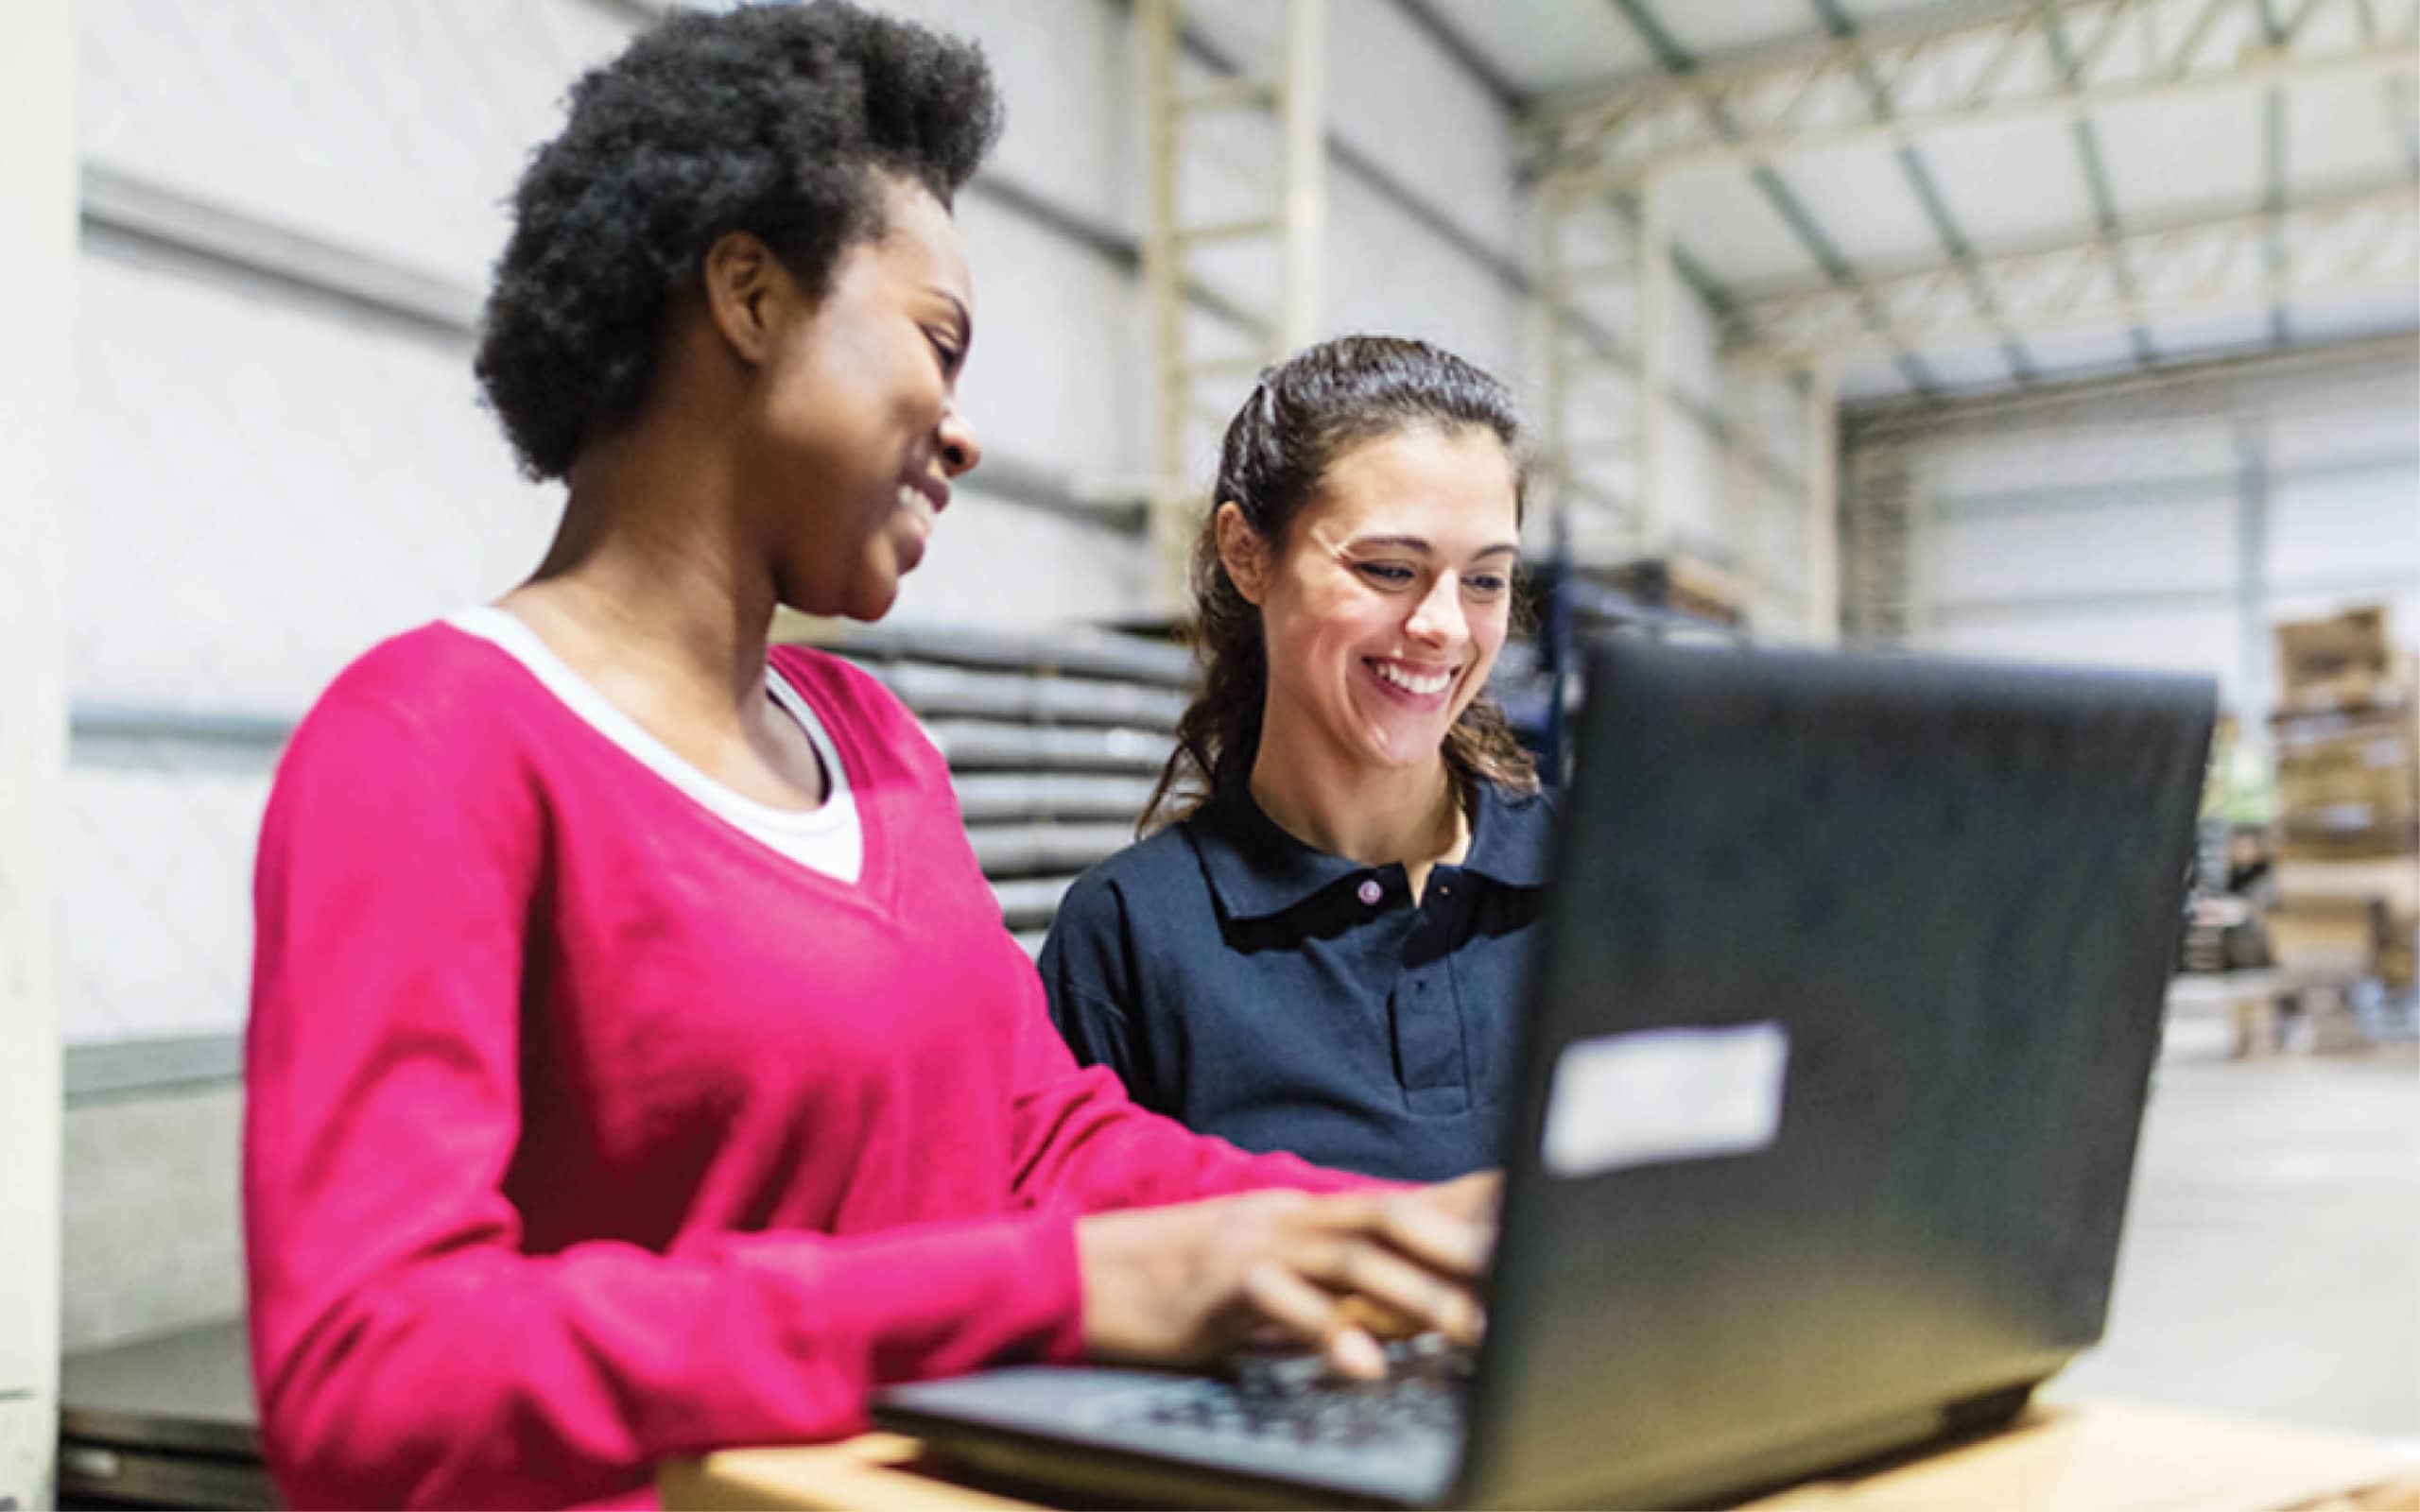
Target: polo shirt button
{"points": [[1371, 891]]}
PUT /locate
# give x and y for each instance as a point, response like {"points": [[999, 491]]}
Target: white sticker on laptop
{"points": [[1665, 1094]]}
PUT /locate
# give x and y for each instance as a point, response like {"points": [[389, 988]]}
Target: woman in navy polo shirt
{"points": [[1322, 954]]}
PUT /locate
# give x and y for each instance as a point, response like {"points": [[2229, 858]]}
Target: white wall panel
{"points": [[2152, 548], [2022, 458], [1069, 72], [1385, 274], [2113, 531], [1059, 374], [2362, 526], [2203, 641], [1696, 340], [267, 490], [2318, 434], [995, 562], [158, 897], [393, 126], [1395, 97], [1695, 487]]}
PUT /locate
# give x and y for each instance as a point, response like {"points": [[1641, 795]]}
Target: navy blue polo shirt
{"points": [[1285, 999]]}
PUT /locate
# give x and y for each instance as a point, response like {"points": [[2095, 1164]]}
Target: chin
{"points": [[1412, 750], [872, 589], [871, 604]]}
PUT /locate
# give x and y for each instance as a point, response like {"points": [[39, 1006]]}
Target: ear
{"points": [[1244, 551], [747, 294]]}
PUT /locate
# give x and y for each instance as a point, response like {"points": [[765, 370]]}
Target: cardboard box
{"points": [[2347, 795], [2393, 883], [2395, 686], [2330, 940], [2370, 758], [2355, 643], [2349, 834], [2398, 962]]}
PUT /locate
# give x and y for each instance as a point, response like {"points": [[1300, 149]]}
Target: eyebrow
{"points": [[1501, 548]]}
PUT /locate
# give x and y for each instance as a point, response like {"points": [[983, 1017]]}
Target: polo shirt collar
{"points": [[1255, 868], [1258, 871], [1511, 838]]}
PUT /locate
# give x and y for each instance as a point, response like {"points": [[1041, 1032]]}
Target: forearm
{"points": [[486, 1377]]}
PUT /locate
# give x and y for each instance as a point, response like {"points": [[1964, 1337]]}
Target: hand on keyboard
{"points": [[1185, 1285]]}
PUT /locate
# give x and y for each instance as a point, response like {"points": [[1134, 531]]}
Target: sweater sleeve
{"points": [[407, 1351]]}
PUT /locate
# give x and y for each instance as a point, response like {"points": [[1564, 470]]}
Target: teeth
{"points": [[1405, 679]]}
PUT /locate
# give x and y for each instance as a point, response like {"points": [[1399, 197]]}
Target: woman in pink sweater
{"points": [[637, 1061]]}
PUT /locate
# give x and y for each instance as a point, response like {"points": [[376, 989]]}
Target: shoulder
{"points": [[1537, 807], [1135, 890], [432, 720], [840, 687], [1514, 843], [436, 689], [1146, 869], [861, 710]]}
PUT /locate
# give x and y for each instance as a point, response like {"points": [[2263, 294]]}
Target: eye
{"points": [[1385, 573], [1486, 585], [951, 355]]}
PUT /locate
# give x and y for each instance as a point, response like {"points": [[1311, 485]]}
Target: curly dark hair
{"points": [[1307, 413], [769, 119]]}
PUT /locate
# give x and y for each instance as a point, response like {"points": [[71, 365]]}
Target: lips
{"points": [[1410, 682]]}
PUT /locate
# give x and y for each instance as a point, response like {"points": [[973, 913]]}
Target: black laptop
{"points": [[1834, 1063]]}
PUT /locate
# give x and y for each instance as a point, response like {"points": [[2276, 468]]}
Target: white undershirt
{"points": [[826, 838]]}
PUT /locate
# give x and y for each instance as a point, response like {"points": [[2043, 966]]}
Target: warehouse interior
{"points": [[2075, 331]]}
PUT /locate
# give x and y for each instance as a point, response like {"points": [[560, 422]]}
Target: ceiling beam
{"points": [[2309, 379], [1424, 15], [2347, 243], [1918, 172], [2007, 65], [1679, 66], [2096, 181], [2272, 161]]}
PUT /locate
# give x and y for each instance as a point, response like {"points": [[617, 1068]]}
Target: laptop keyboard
{"points": [[1292, 1399]]}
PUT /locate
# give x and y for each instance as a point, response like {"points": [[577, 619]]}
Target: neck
{"points": [[650, 584], [1406, 815]]}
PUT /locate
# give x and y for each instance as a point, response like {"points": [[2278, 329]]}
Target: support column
{"points": [[1554, 349], [1192, 389], [1820, 397], [1652, 260], [2256, 691], [38, 186]]}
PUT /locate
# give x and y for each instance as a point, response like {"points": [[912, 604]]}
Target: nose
{"points": [[961, 449], [1438, 620]]}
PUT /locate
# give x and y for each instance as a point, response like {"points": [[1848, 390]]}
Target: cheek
{"points": [[1490, 625], [1347, 626]]}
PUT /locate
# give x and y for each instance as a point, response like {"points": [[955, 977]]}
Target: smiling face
{"points": [[854, 433], [1386, 602]]}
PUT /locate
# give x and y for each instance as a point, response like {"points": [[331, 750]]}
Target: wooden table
{"points": [[2101, 1457]]}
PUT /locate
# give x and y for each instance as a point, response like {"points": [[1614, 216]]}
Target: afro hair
{"points": [[769, 119]]}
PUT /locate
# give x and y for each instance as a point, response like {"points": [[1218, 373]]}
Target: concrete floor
{"points": [[2271, 1265]]}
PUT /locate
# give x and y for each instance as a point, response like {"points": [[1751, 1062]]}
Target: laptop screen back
{"points": [[1837, 1055]]}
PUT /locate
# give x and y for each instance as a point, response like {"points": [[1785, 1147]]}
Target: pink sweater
{"points": [[583, 1129]]}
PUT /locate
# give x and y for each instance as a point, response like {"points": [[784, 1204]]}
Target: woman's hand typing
{"points": [[1185, 1285]]}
